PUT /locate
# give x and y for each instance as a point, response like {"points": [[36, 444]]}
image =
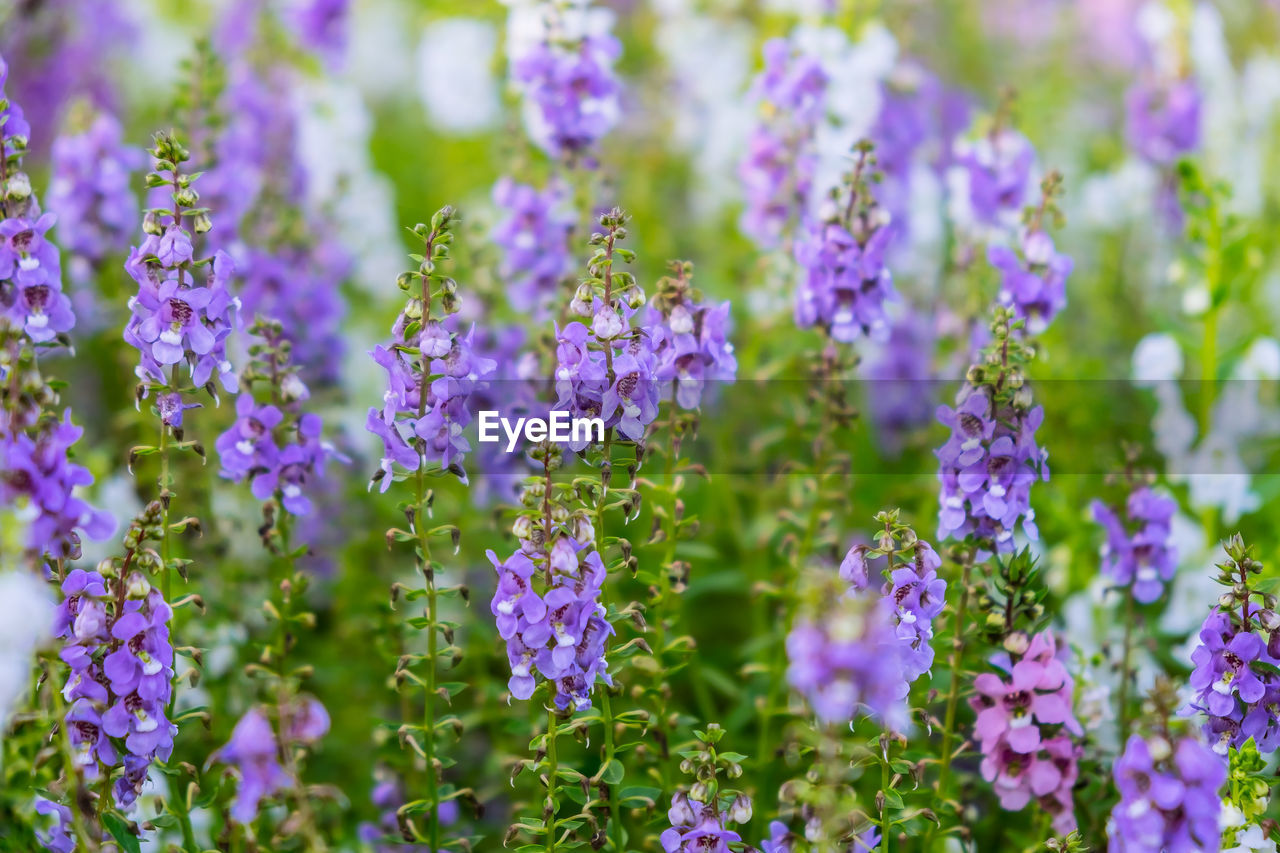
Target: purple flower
{"points": [[697, 827], [777, 171], [1169, 797], [844, 282], [690, 344], [1035, 284], [987, 467], [31, 296], [1139, 551], [1163, 120], [533, 237], [994, 173], [1240, 700], [248, 445], [388, 796], [570, 90], [321, 26], [89, 190], [58, 839], [900, 375], [916, 595], [255, 754]]}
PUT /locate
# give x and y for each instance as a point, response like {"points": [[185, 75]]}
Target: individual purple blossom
{"points": [[778, 168], [916, 595], [248, 445], [58, 838], [1023, 729], [1240, 700], [321, 26], [697, 827], [31, 296], [1033, 282], [1163, 120], [533, 237], [90, 191], [995, 176], [1169, 797], [568, 84], [1139, 553], [987, 467], [255, 754]]}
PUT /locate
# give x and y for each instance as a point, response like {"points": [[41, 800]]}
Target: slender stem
{"points": [[429, 583], [885, 842], [553, 769], [1124, 664], [615, 813], [953, 695]]}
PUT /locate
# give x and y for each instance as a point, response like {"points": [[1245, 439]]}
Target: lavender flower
{"points": [[994, 176], [564, 71], [1034, 285], [1234, 677], [844, 281], [1168, 797], [844, 656], [898, 375], [1023, 730], [698, 827], [388, 795], [58, 838], [1163, 120], [92, 170], [254, 753], [777, 171], [1139, 553], [689, 339], [174, 320], [534, 239], [321, 26]]}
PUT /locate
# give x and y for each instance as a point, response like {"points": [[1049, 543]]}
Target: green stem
{"points": [[953, 695], [552, 769], [885, 842], [615, 813]]}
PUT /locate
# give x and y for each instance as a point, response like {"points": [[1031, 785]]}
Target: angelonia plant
{"points": [[689, 487]]}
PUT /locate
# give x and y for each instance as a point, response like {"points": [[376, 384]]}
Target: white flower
{"points": [[26, 623], [454, 78]]}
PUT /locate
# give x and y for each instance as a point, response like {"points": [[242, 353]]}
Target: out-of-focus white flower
{"points": [[1248, 839], [1156, 358], [381, 42], [1120, 196], [455, 78], [26, 623]]}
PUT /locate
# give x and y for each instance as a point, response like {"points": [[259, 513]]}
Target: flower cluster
{"points": [[562, 62], [990, 461], [432, 370], [1033, 282], [255, 751], [993, 173], [533, 236], [1024, 729], [386, 836], [1168, 796], [1139, 553], [844, 282], [1163, 120], [689, 338], [175, 320], [1234, 680], [607, 371], [778, 169], [115, 631], [274, 444], [90, 190], [31, 297], [561, 633], [700, 818], [844, 655]]}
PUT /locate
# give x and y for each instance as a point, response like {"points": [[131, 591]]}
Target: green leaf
{"points": [[613, 772], [120, 832]]}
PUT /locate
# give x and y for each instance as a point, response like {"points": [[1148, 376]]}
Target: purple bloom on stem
{"points": [[1035, 284], [58, 839], [534, 239], [1163, 120], [255, 754], [1139, 551], [994, 173], [1169, 797]]}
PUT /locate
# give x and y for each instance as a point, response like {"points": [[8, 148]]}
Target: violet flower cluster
{"points": [[607, 370], [560, 634], [1139, 554], [31, 296], [987, 467], [90, 191], [1169, 796], [116, 644], [1235, 681], [566, 78], [994, 174], [533, 236], [1033, 281], [255, 751], [1163, 120], [778, 169], [273, 443], [689, 339], [844, 656], [175, 319], [433, 370], [1024, 729], [844, 282]]}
